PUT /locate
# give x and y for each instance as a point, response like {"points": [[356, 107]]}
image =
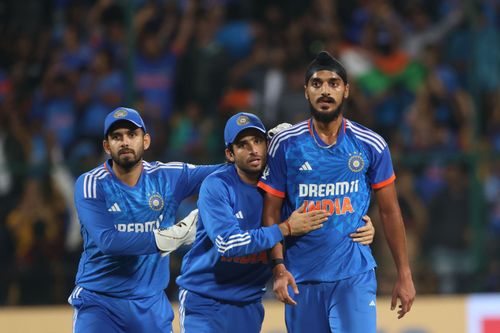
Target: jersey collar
{"points": [[109, 168], [317, 139]]}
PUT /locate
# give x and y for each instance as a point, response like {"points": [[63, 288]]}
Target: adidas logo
{"points": [[305, 167], [372, 303], [114, 208], [239, 215]]}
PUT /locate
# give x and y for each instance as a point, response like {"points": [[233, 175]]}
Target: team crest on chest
{"points": [[156, 202], [356, 162]]}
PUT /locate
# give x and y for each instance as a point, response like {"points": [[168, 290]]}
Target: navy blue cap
{"points": [[240, 122], [123, 114]]}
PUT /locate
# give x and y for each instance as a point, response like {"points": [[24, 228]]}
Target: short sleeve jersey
{"points": [[119, 256], [228, 260], [337, 178]]}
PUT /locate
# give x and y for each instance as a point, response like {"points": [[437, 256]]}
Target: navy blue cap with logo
{"points": [[239, 122], [120, 114]]}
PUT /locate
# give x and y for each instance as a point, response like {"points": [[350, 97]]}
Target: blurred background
{"points": [[424, 74]]}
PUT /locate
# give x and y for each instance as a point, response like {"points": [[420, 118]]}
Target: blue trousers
{"points": [[97, 313], [345, 306], [199, 314]]}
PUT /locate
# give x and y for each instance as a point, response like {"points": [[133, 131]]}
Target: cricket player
{"points": [[127, 209], [224, 275], [331, 163]]}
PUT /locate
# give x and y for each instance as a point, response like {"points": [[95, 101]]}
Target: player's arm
{"points": [[282, 277], [188, 180], [394, 231], [223, 227], [98, 223]]}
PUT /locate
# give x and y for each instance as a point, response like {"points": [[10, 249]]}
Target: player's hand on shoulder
{"points": [[282, 279], [365, 234], [302, 222], [273, 131]]}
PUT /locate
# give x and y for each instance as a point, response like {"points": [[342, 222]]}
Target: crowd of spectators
{"points": [[424, 74]]}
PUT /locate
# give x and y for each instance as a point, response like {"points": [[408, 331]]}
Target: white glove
{"points": [[181, 233], [273, 131]]}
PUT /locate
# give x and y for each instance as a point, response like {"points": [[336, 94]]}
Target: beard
{"points": [[326, 117], [251, 172], [126, 162]]}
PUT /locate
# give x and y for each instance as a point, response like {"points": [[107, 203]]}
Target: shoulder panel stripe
{"points": [[90, 182], [277, 141], [160, 164], [368, 133], [377, 148], [179, 167], [284, 132], [368, 138]]}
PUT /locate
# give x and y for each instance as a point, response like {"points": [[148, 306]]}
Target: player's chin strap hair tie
{"points": [[324, 61]]}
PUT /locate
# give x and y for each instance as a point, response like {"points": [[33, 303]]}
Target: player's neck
{"points": [[128, 176], [328, 132], [248, 178]]}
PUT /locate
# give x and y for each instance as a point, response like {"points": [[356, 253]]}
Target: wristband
{"points": [[276, 262], [289, 227]]}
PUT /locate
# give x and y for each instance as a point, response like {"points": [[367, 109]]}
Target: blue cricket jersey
{"points": [[120, 257], [228, 260], [337, 178]]}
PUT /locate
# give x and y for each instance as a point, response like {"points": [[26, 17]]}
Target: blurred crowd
{"points": [[424, 74]]}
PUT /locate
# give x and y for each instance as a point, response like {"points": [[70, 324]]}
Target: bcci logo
{"points": [[242, 120], [120, 113], [356, 163], [156, 202]]}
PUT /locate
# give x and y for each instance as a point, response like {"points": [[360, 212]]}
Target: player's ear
{"points": [[229, 155], [305, 92], [346, 91], [147, 141], [105, 145]]}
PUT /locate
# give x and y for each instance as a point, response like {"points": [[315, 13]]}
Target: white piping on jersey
{"points": [[377, 138], [171, 165], [182, 309], [369, 137], [90, 182], [75, 294], [233, 241], [285, 134]]}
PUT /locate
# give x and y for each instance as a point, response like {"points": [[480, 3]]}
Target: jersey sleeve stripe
{"points": [[240, 240], [225, 249], [384, 183], [271, 190]]}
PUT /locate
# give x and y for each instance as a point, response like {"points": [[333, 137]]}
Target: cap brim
{"points": [[245, 128]]}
